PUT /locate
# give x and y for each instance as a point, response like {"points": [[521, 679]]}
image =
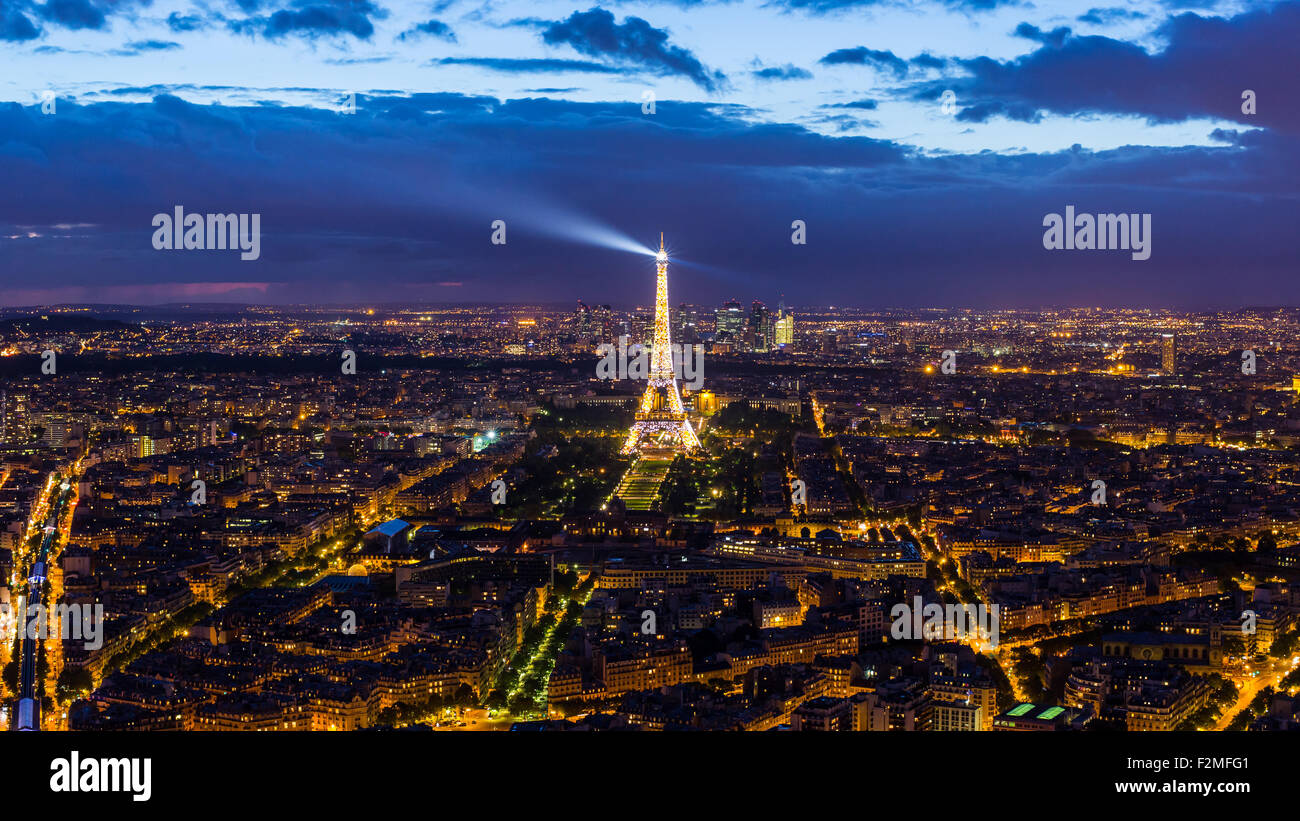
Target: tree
{"points": [[565, 581], [73, 682], [1106, 725], [1028, 667], [1267, 543], [464, 696]]}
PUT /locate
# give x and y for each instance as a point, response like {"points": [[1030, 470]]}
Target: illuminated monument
{"points": [[660, 418]]}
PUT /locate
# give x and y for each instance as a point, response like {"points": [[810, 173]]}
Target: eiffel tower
{"points": [[661, 422]]}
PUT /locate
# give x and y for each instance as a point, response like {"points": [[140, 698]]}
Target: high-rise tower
{"points": [[660, 418]]}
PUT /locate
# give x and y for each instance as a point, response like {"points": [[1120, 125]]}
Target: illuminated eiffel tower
{"points": [[660, 419]]}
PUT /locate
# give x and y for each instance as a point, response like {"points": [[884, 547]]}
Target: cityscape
{"points": [[470, 529], [431, 371]]}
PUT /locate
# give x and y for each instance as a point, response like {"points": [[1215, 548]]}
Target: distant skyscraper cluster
{"points": [[758, 331], [733, 328]]}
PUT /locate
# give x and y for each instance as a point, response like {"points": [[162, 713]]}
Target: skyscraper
{"points": [[784, 328], [15, 422], [603, 320], [686, 324], [1168, 356], [729, 320], [582, 321], [760, 331]]}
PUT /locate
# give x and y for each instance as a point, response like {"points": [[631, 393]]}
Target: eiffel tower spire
{"points": [[660, 418]]}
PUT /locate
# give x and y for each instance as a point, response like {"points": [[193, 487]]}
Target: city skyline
{"points": [[909, 521]]}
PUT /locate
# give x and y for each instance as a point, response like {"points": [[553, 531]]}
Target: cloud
{"points": [[136, 47], [15, 26], [422, 175], [17, 17], [400, 196], [528, 65], [927, 60], [359, 61], [866, 105], [181, 23], [835, 6], [1202, 71], [1053, 38], [844, 123], [785, 72], [431, 28], [73, 14], [1108, 15], [1191, 4], [982, 112], [312, 19], [863, 56], [634, 41]]}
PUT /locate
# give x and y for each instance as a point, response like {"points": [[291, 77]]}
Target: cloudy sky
{"points": [[922, 142]]}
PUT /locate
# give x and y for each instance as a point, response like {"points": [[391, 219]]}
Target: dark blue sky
{"points": [[764, 112]]}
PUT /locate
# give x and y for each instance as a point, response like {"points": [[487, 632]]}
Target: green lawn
{"points": [[639, 489]]}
